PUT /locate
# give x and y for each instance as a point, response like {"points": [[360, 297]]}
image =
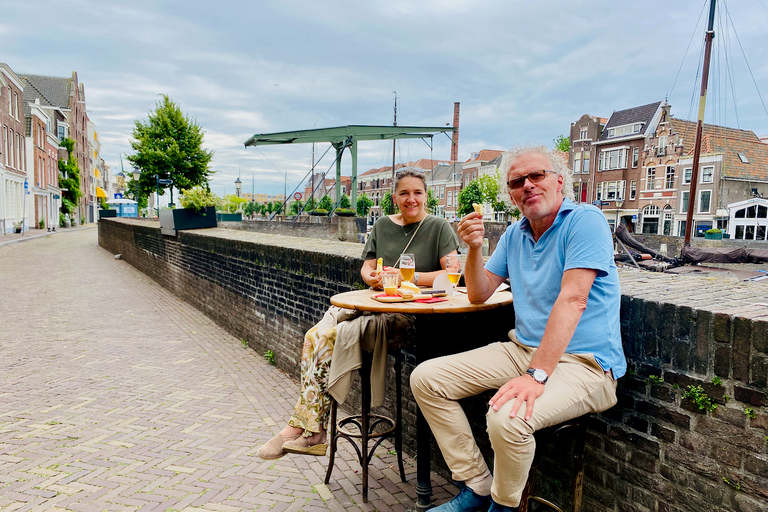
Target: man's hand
{"points": [[520, 389], [471, 230]]}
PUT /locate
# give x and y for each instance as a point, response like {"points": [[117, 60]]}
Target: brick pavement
{"points": [[116, 395]]}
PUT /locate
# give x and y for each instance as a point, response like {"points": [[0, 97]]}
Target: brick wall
{"points": [[655, 451], [346, 229]]}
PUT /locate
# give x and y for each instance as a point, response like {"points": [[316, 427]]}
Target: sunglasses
{"points": [[533, 177]]}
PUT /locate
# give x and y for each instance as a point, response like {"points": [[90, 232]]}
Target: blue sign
{"points": [[118, 196], [26, 185]]}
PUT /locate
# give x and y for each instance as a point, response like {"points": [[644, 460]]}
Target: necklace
{"points": [[413, 230]]}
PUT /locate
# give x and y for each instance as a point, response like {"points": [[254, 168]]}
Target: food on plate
{"points": [[478, 208], [405, 293], [410, 286]]}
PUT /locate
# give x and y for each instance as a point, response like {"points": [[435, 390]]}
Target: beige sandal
{"points": [[272, 449], [302, 446]]}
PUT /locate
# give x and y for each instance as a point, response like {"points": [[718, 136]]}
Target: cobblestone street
{"points": [[116, 395]]}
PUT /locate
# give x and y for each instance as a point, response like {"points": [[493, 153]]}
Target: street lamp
{"points": [[619, 204], [238, 186]]}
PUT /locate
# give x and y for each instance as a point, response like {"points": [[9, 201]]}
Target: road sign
{"points": [[26, 185], [165, 182], [297, 196]]}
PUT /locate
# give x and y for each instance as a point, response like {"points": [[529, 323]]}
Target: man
{"points": [[565, 351]]}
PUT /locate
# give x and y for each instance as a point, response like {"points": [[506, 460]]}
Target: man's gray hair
{"points": [[557, 159]]}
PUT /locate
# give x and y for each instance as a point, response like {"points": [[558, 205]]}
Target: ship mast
{"points": [[710, 35]]}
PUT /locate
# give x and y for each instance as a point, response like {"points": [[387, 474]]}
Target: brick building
{"points": [[42, 158], [582, 156], [13, 165], [69, 96], [618, 165]]}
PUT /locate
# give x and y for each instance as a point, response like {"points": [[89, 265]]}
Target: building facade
{"points": [[582, 156], [13, 158]]}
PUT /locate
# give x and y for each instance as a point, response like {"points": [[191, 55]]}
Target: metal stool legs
{"points": [[578, 428], [366, 423]]}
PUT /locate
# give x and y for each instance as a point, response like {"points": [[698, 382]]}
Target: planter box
{"points": [[107, 213], [175, 220], [713, 236], [229, 217]]}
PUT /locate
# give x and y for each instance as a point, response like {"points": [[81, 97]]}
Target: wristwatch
{"points": [[538, 375], [416, 278]]}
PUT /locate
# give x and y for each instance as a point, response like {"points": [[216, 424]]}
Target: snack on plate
{"points": [[380, 265], [478, 208], [410, 286], [405, 293]]}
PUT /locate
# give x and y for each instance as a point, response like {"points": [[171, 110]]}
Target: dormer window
{"points": [[628, 129], [743, 158], [583, 133]]}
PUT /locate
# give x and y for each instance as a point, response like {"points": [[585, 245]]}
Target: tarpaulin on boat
{"points": [[724, 255]]}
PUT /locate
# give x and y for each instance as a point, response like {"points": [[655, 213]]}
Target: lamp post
{"points": [[136, 176], [238, 186], [619, 204]]}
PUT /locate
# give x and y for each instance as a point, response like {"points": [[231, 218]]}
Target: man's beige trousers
{"points": [[577, 386]]}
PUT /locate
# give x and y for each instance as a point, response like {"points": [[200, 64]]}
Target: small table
{"points": [[363, 300]]}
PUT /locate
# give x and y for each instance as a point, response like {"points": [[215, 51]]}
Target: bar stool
{"points": [[367, 426], [578, 428]]}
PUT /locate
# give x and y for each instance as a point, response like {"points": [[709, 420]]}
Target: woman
{"points": [[430, 239]]}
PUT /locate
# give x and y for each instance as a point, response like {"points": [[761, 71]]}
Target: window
{"points": [[650, 220], [632, 190], [684, 202], [669, 181], [625, 130], [613, 159], [668, 219], [650, 178], [610, 190], [576, 163], [583, 132], [585, 163], [687, 175], [743, 158], [704, 198], [635, 157], [15, 106], [661, 149], [707, 174], [63, 132]]}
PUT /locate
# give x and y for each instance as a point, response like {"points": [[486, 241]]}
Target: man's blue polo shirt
{"points": [[579, 238]]}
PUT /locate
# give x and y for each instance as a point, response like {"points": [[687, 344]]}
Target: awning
{"points": [[100, 192]]}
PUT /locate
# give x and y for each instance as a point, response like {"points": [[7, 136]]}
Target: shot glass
{"points": [[390, 280]]}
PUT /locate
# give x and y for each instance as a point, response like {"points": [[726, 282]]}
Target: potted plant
{"points": [[345, 212], [17, 226], [198, 211], [106, 210], [713, 234]]}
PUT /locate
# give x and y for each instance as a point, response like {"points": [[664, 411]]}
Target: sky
{"points": [[522, 71]]}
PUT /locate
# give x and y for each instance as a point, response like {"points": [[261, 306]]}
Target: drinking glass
{"points": [[407, 266], [453, 268], [390, 281]]}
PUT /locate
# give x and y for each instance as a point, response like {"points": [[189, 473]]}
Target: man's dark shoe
{"points": [[495, 507], [465, 501]]}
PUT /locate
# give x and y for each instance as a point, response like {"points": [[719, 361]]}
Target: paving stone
{"points": [[116, 395]]}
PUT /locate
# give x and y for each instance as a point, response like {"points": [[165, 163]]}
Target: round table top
{"points": [[363, 300]]}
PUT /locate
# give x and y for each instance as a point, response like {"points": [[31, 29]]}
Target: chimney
{"points": [[455, 139]]}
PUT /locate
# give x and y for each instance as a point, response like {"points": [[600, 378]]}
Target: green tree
{"points": [[249, 208], [344, 202], [431, 201], [325, 203], [468, 195], [364, 204], [170, 145], [69, 178], [232, 203], [311, 203], [562, 143], [296, 207], [277, 207], [489, 186], [385, 203]]}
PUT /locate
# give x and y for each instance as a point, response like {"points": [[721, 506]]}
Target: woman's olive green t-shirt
{"points": [[434, 239]]}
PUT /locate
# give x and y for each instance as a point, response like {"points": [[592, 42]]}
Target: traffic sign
{"points": [[26, 185], [297, 196], [165, 182]]}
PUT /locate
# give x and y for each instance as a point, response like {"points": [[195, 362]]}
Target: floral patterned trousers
{"points": [[314, 405]]}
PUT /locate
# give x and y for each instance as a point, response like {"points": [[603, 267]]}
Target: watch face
{"points": [[539, 375]]}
